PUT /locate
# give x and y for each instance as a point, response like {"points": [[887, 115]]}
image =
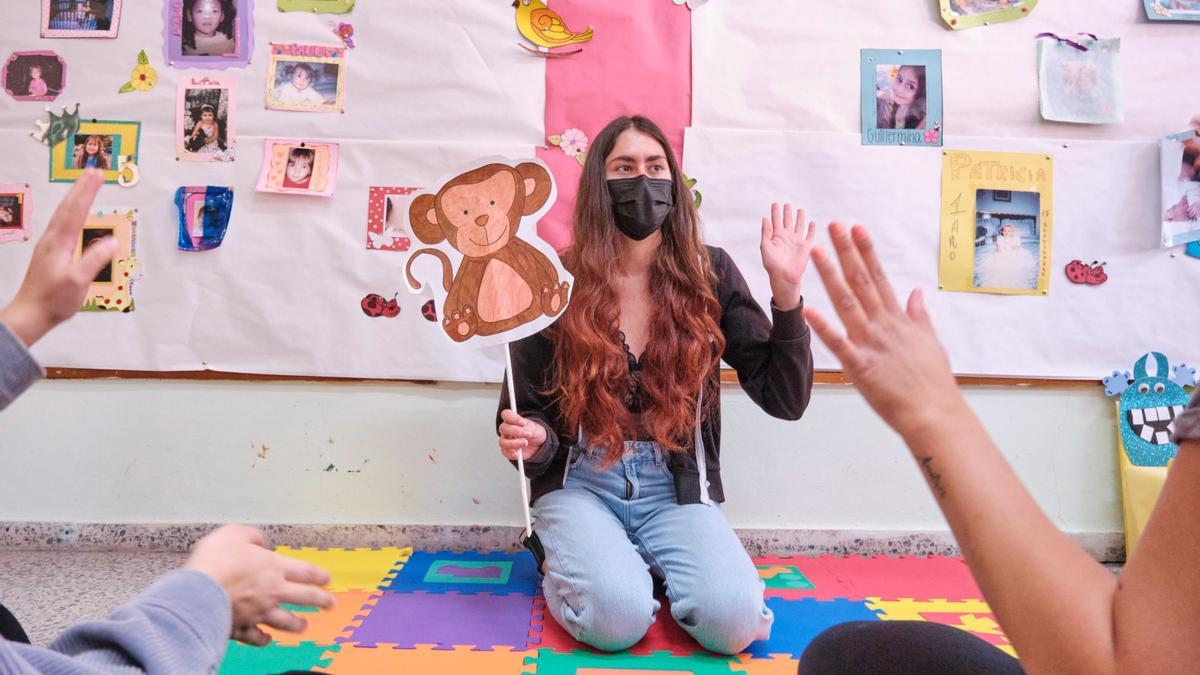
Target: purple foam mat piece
{"points": [[484, 621], [460, 572]]}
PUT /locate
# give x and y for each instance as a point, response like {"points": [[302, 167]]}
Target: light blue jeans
{"points": [[607, 530]]}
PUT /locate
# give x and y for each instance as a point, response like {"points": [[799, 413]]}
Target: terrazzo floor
{"points": [[50, 590]]}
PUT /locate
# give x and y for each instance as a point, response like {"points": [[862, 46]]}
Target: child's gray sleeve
{"points": [[178, 626], [18, 370]]}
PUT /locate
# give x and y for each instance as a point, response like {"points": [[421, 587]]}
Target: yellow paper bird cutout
{"points": [[545, 29]]}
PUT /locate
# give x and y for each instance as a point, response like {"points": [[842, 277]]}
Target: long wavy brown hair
{"points": [[590, 370]]}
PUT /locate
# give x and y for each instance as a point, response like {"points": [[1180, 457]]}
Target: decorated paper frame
{"points": [[1180, 158], [204, 214], [387, 212], [175, 25], [284, 58], [964, 174], [15, 212], [959, 14], [504, 282], [873, 63], [1156, 10], [322, 178], [112, 289], [73, 24], [125, 138], [221, 94], [13, 68], [316, 6], [1078, 80]]}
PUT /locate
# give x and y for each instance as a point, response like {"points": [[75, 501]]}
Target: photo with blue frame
{"points": [[1172, 10], [901, 97]]}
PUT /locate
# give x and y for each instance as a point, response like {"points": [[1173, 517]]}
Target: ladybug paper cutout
{"points": [[429, 311], [1090, 275], [374, 305]]}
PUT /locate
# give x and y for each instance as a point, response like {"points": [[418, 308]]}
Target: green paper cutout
{"points": [[959, 21], [125, 88], [316, 6], [435, 576], [274, 658]]}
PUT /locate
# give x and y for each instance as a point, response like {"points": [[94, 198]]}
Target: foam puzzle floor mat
{"points": [[427, 613]]}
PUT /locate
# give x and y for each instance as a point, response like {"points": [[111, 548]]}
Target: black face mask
{"points": [[641, 205]]}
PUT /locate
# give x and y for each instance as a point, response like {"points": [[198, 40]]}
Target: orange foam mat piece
{"points": [[326, 625], [424, 660], [780, 664]]}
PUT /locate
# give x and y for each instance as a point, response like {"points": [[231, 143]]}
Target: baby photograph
{"points": [[299, 167], [301, 85], [1180, 189], [34, 76], [1007, 239], [204, 130], [80, 18], [11, 213]]}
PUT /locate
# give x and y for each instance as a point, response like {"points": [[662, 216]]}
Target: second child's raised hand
{"points": [[786, 248], [258, 581], [57, 281], [519, 436], [891, 354]]}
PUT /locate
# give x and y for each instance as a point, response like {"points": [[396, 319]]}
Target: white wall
{"points": [[150, 451]]}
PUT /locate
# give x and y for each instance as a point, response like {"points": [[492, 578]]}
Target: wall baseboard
{"points": [[1103, 546]]}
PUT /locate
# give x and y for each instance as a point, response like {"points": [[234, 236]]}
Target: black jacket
{"points": [[773, 363]]}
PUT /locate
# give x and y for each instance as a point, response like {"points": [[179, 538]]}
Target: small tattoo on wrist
{"points": [[935, 478]]}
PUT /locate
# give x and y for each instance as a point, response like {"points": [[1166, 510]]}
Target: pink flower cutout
{"points": [[931, 136], [573, 142]]}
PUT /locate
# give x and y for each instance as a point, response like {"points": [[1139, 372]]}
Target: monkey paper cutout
{"points": [[498, 281]]}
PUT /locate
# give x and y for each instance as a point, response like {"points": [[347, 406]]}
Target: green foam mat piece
{"points": [[241, 659]]}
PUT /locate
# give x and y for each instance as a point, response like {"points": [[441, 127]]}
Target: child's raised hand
{"points": [[519, 436], [892, 355], [57, 281]]}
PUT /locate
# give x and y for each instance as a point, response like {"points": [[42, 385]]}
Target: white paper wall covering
{"points": [[431, 86], [794, 65], [1106, 203]]}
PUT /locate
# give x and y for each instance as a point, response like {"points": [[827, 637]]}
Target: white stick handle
{"points": [[512, 405]]}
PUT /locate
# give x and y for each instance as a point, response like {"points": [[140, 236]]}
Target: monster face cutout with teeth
{"points": [[1151, 399]]}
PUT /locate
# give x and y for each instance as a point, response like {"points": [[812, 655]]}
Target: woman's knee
{"points": [[608, 616], [727, 618]]}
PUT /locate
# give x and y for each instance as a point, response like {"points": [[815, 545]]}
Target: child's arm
{"points": [[1063, 611]]}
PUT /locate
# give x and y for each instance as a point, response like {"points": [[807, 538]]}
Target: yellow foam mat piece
{"points": [[354, 569], [967, 611]]}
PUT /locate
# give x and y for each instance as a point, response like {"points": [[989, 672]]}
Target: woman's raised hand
{"points": [[786, 248]]}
